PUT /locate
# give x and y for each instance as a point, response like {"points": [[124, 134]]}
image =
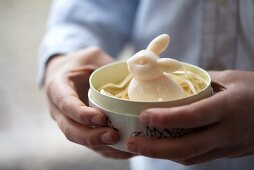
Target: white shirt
{"points": [[213, 34]]}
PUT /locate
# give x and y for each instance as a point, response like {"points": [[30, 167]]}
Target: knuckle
{"points": [[67, 133], [226, 76], [62, 104], [158, 119], [66, 106], [227, 73], [88, 54], [91, 141], [193, 115], [190, 112], [66, 129], [80, 116], [83, 141], [95, 50]]}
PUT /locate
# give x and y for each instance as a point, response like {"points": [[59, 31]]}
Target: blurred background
{"points": [[29, 138]]}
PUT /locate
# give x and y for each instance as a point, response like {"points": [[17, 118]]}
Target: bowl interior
{"points": [[112, 73], [116, 72]]}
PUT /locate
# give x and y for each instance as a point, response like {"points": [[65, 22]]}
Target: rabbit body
{"points": [[161, 89]]}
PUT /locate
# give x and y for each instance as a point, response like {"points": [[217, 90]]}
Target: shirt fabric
{"points": [[213, 34]]}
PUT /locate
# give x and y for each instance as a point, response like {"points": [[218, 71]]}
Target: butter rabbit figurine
{"points": [[149, 83]]}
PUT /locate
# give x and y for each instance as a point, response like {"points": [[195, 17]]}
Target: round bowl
{"points": [[123, 115]]}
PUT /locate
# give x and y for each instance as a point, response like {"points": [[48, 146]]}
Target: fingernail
{"points": [[144, 118], [96, 120], [132, 147], [106, 138]]}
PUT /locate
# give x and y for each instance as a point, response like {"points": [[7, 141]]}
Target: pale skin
{"points": [[227, 117], [66, 86]]}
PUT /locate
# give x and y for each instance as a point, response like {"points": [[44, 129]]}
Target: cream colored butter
{"points": [[152, 78]]}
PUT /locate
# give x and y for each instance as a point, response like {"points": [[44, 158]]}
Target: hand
{"points": [[66, 85], [226, 118]]}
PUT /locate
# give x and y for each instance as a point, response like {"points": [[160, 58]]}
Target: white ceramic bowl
{"points": [[123, 114]]}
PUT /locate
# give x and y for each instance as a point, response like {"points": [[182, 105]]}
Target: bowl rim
{"points": [[142, 102], [107, 110]]}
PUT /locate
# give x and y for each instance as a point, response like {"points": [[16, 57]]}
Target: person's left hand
{"points": [[226, 118]]}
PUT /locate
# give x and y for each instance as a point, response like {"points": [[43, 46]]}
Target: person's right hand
{"points": [[66, 86]]}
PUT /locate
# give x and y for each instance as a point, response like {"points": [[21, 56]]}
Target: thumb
{"points": [[218, 81], [92, 56]]}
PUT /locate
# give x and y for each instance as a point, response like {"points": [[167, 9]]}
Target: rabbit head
{"points": [[145, 65]]}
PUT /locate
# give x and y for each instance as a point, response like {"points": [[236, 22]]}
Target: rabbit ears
{"points": [[159, 44], [168, 65]]}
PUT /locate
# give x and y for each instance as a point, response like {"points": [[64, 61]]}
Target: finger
{"points": [[117, 155], [198, 114], [220, 76], [67, 101], [103, 149], [225, 78], [112, 153], [217, 86], [187, 147], [80, 78], [215, 75], [211, 155], [107, 149], [81, 72], [84, 135], [218, 81]]}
